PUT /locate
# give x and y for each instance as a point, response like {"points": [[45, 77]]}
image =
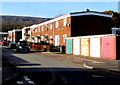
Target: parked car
{"points": [[12, 45], [4, 43], [22, 46]]}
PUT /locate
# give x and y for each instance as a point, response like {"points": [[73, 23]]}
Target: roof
{"points": [[91, 36], [70, 15], [3, 32], [34, 26], [116, 28], [17, 30], [90, 13]]}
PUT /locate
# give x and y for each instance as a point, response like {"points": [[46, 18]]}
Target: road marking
{"points": [[26, 78], [20, 82], [87, 66], [97, 76], [31, 82]]}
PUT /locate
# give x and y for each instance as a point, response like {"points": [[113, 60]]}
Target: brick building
{"points": [[74, 24], [26, 33]]}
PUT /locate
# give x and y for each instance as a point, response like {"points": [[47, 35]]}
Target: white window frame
{"points": [[42, 28], [57, 24], [42, 38], [64, 21], [46, 27], [64, 36], [38, 29], [51, 37], [50, 25]]}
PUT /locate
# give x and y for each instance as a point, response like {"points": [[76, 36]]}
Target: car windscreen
{"points": [[23, 44]]}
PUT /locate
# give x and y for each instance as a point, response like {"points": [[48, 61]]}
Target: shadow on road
{"points": [[44, 75]]}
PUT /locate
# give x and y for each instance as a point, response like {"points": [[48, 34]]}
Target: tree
{"points": [[115, 19]]}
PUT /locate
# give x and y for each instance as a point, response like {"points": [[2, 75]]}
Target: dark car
{"points": [[22, 46], [12, 45]]}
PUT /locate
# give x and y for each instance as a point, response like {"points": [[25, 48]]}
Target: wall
{"points": [[102, 46], [60, 30], [90, 25]]}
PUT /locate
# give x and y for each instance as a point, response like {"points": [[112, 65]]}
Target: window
{"points": [[64, 36], [39, 29], [51, 39], [33, 30], [57, 24], [42, 28], [36, 29], [46, 27], [50, 25], [42, 38], [65, 22]]}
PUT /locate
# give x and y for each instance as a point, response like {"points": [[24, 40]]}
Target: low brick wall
{"points": [[41, 47]]}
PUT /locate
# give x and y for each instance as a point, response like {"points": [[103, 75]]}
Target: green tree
{"points": [[115, 19]]}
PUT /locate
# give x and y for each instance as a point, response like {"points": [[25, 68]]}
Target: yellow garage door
{"points": [[85, 46]]}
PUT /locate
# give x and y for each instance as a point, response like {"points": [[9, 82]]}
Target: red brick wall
{"points": [[61, 30]]}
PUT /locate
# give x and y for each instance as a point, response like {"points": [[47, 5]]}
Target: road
{"points": [[42, 70]]}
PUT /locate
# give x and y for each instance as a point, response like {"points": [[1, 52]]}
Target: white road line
{"points": [[20, 82], [31, 82], [26, 78], [97, 76]]}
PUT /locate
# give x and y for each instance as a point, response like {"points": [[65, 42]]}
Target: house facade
{"points": [[53, 31], [26, 33], [3, 36], [56, 30], [14, 35]]}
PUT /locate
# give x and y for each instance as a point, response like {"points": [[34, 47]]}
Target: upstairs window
{"points": [[65, 22], [50, 25], [46, 27], [57, 24], [39, 29], [42, 28], [36, 29]]}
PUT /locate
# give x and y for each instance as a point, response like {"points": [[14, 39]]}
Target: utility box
{"points": [[115, 30]]}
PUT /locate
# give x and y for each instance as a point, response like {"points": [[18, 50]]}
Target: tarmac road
{"points": [[41, 70]]}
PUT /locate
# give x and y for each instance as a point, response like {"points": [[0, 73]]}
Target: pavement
{"points": [[100, 64]]}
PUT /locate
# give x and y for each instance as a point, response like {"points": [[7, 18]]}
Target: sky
{"points": [[53, 9]]}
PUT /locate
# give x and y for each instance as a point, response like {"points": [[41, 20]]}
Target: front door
{"points": [[57, 40]]}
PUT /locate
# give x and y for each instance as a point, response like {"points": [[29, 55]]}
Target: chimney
{"points": [[87, 10]]}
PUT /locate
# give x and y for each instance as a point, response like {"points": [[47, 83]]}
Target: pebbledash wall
{"points": [[14, 35], [100, 46], [85, 23]]}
